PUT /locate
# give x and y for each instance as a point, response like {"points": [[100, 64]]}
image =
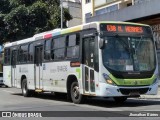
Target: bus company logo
{"points": [[6, 114], [135, 83]]}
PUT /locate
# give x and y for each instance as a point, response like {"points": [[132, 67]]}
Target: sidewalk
{"points": [[151, 96]]}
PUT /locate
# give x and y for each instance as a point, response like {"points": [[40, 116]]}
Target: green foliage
{"points": [[20, 19], [4, 6]]}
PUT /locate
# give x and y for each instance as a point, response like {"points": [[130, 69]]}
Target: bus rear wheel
{"points": [[76, 97], [25, 91], [120, 99]]}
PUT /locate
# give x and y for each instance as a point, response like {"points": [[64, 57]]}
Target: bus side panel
{"points": [[7, 76], [55, 75], [26, 70], [17, 77], [48, 84], [30, 76]]}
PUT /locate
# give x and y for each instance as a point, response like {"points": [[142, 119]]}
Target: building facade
{"points": [[92, 8], [141, 11], [74, 7]]}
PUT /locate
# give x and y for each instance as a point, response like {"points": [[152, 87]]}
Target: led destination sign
{"points": [[123, 28], [130, 29]]}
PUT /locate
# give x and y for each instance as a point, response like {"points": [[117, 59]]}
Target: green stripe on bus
{"points": [[78, 70], [133, 82]]}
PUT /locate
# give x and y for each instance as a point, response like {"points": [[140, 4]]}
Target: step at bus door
{"points": [[13, 68], [38, 66], [88, 65]]}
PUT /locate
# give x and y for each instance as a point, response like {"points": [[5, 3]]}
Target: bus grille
{"points": [[128, 91]]}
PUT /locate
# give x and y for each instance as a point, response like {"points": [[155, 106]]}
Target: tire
{"points": [[120, 99], [76, 97], [25, 91]]}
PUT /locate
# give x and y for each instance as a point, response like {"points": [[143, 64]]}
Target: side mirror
{"points": [[101, 43]]}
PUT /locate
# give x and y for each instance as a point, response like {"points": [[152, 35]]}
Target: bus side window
{"points": [[23, 53], [47, 49], [7, 56], [89, 51], [58, 48], [13, 58], [73, 46], [19, 55], [85, 55], [30, 52], [52, 49]]}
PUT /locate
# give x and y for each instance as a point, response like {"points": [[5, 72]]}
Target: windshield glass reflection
{"points": [[123, 53]]}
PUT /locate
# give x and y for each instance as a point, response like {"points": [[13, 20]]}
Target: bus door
{"points": [[13, 68], [38, 66], [88, 53]]}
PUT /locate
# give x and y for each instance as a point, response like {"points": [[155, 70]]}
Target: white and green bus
{"points": [[103, 59]]}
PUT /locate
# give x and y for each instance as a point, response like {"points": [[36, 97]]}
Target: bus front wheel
{"points": [[25, 91], [76, 97]]}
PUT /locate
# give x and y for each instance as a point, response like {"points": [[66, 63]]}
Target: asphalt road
{"points": [[11, 99]]}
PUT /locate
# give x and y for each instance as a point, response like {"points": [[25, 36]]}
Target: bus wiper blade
{"points": [[123, 43], [139, 42]]}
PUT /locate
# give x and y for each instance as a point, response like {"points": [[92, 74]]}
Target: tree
{"points": [[21, 19]]}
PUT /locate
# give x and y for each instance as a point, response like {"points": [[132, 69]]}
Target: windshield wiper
{"points": [[123, 43], [139, 42]]}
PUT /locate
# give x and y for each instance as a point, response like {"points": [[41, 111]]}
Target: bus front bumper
{"points": [[107, 90]]}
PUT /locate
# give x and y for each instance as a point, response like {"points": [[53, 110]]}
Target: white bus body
{"points": [[69, 62]]}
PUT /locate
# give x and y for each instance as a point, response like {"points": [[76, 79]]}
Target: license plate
{"points": [[134, 93]]}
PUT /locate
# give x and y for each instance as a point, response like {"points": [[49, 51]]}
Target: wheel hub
{"points": [[76, 92], [24, 88]]}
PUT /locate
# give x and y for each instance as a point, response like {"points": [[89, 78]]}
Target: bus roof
{"points": [[19, 42], [58, 31]]}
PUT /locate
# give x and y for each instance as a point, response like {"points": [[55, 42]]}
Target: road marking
{"points": [[8, 91]]}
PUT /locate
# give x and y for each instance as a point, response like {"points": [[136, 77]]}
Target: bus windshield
{"points": [[126, 53]]}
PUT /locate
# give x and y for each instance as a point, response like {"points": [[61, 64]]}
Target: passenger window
{"points": [[30, 52], [58, 50], [47, 50], [89, 51], [73, 46], [7, 56], [72, 40], [23, 53]]}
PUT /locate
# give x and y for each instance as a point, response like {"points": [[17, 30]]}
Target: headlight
{"points": [[108, 79]]}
